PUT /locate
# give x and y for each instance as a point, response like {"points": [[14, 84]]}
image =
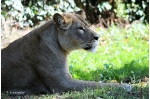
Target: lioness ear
{"points": [[61, 21], [82, 13]]}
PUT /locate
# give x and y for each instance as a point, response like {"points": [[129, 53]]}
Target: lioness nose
{"points": [[95, 37]]}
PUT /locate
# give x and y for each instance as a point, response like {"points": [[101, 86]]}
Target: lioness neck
{"points": [[51, 49], [49, 35]]}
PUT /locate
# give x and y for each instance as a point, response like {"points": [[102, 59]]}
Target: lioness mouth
{"points": [[87, 47], [90, 47]]}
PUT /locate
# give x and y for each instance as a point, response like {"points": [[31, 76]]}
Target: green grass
{"points": [[104, 93]]}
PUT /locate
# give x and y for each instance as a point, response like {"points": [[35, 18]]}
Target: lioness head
{"points": [[74, 32]]}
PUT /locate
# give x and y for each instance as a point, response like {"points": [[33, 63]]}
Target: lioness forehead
{"points": [[76, 17], [81, 19]]}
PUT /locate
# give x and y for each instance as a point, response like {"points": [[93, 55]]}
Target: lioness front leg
{"points": [[79, 85]]}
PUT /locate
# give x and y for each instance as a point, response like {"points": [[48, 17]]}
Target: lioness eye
{"points": [[81, 28]]}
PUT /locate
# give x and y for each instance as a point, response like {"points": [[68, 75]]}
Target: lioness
{"points": [[37, 62]]}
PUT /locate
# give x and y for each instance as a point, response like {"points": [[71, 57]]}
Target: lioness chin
{"points": [[37, 62]]}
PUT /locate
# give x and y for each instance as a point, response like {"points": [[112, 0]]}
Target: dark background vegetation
{"points": [[105, 12]]}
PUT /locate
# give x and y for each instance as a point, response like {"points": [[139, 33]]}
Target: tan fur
{"points": [[37, 62]]}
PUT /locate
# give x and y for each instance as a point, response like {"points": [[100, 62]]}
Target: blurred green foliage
{"points": [[127, 9], [34, 11], [133, 10]]}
